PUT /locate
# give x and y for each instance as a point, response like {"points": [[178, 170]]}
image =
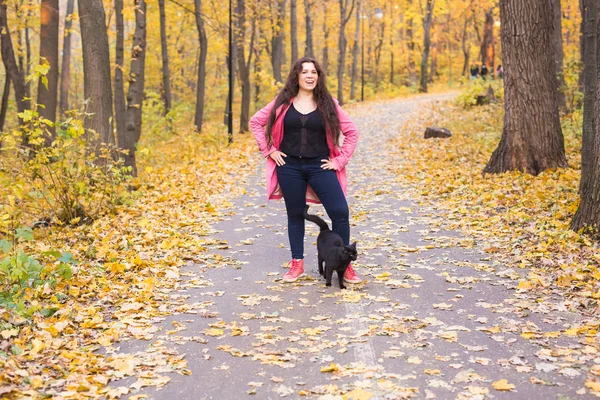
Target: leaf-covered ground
{"points": [[183, 291]]}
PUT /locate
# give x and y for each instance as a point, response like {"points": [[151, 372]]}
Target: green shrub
{"points": [[480, 87]]}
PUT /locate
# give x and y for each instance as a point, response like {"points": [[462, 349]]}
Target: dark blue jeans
{"points": [[293, 178]]}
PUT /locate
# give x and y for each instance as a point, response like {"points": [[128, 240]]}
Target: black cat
{"points": [[332, 251]]}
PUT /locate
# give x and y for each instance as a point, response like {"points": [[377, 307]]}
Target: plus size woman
{"points": [[299, 134]]}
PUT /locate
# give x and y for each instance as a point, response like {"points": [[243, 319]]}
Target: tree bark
{"points": [[10, 63], [532, 139], [277, 41], [201, 81], [434, 53], [96, 70], [135, 94], [165, 57], [294, 29], [65, 70], [466, 49], [355, 51], [344, 18], [590, 87], [488, 50], [5, 98], [588, 213], [309, 50], [427, 18], [559, 54], [48, 90], [325, 52], [120, 106], [243, 64]]}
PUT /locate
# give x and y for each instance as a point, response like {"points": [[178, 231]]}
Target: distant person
{"points": [[484, 71], [474, 72], [500, 71], [298, 133]]}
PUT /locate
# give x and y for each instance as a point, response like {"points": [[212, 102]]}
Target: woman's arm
{"points": [[350, 138], [258, 123]]}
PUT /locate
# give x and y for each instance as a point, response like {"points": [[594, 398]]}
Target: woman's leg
{"points": [[327, 188], [293, 185]]}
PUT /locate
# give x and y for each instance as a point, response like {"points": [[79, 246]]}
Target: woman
{"points": [[298, 133]]}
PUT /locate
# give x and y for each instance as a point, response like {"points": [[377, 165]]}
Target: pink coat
{"points": [[338, 155]]}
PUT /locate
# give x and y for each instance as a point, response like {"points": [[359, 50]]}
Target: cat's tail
{"points": [[316, 219]]}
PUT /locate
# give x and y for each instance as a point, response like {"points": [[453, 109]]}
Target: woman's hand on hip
{"points": [[328, 164], [277, 156]]}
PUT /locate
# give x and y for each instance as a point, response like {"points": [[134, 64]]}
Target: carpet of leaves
{"points": [[128, 263]]}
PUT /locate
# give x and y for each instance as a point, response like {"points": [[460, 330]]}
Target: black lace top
{"points": [[304, 134]]}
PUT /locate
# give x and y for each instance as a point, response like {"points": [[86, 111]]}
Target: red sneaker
{"points": [[295, 272], [350, 276]]}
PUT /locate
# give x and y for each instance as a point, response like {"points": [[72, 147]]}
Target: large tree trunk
{"points": [[427, 18], [201, 81], [165, 57], [412, 69], [96, 69], [559, 54], [588, 213], [590, 87], [355, 50], [243, 65], [488, 49], [135, 94], [532, 139], [344, 18], [466, 49], [294, 29], [309, 50], [48, 86], [120, 106], [277, 41], [434, 53], [65, 70], [10, 63]]}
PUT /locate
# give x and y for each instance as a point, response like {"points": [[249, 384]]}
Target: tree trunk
{"points": [[65, 70], [412, 70], [309, 50], [135, 94], [5, 98], [201, 82], [427, 18], [355, 50], [48, 85], [243, 64], [488, 50], [26, 68], [294, 29], [325, 57], [165, 57], [590, 85], [96, 70], [588, 213], [532, 139], [277, 41], [344, 17], [559, 54], [466, 49], [10, 63], [434, 53], [120, 106]]}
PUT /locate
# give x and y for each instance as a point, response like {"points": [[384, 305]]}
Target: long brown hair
{"points": [[325, 104]]}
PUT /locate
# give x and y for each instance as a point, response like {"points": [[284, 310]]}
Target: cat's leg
{"points": [[320, 263], [328, 273], [340, 275]]}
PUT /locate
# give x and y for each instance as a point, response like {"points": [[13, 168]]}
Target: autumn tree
{"points": [[48, 85], [355, 50], [96, 69], [135, 94], [165, 56], [559, 54], [277, 40], [427, 20], [588, 213], [532, 139], [119, 99], [309, 50], [488, 49], [243, 63], [201, 78], [346, 7], [294, 29], [65, 70]]}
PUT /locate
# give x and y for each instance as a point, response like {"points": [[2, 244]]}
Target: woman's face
{"points": [[307, 79]]}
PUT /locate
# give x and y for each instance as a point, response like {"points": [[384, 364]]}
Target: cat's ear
{"points": [[353, 245]]}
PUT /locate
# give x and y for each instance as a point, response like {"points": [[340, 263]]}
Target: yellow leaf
{"points": [[433, 371], [593, 385], [36, 346], [330, 368], [213, 332], [358, 394], [503, 385]]}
